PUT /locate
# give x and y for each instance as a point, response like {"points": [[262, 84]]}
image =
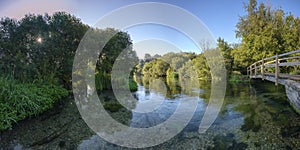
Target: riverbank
{"points": [[61, 127], [57, 127]]}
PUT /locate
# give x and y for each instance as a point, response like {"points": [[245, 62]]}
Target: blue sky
{"points": [[220, 17]]}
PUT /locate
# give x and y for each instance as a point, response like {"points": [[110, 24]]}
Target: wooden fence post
{"points": [[255, 70], [295, 67], [247, 71], [251, 71], [262, 69], [276, 70]]}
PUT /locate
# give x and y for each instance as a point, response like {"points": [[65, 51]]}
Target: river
{"points": [[253, 116]]}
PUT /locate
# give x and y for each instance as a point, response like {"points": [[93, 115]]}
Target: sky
{"points": [[220, 18]]}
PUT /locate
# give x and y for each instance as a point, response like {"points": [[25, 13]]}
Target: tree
{"points": [[147, 69], [160, 68], [147, 57], [8, 48], [226, 50], [39, 46], [118, 47], [66, 31], [264, 33]]}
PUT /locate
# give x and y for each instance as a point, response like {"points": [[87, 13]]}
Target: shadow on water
{"points": [[254, 116]]}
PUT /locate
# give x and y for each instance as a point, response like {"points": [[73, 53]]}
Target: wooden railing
{"points": [[276, 62]]}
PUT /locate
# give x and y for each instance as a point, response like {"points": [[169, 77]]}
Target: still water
{"points": [[253, 116]]}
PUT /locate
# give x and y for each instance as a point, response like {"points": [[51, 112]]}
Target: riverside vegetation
{"points": [[37, 52], [36, 58]]}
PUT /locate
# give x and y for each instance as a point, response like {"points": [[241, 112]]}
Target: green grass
{"points": [[21, 100]]}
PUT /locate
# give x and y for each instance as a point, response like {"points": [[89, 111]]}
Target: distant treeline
{"points": [[263, 32], [174, 65]]}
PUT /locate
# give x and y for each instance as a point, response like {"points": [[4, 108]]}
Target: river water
{"points": [[253, 116]]}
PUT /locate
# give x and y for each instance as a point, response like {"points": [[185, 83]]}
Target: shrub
{"points": [[238, 78], [133, 85]]}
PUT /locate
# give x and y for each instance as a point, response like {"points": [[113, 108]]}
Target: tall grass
{"points": [[21, 100]]}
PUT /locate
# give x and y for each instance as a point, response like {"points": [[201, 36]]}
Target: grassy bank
{"points": [[21, 100], [237, 77]]}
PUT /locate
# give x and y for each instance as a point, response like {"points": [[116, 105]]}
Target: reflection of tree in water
{"points": [[138, 79], [150, 83], [175, 86]]}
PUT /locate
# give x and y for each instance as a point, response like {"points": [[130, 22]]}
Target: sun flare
{"points": [[39, 40]]}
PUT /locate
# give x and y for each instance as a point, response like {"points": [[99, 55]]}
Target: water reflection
{"points": [[253, 116], [175, 87]]}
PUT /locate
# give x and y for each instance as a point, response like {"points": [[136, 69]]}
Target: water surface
{"points": [[253, 116]]}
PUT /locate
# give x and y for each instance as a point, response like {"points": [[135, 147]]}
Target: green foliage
{"points": [[167, 65], [139, 67], [172, 74], [21, 100], [295, 72], [147, 69], [39, 45], [133, 85], [178, 65], [201, 67], [234, 79], [119, 47], [38, 51], [196, 68], [264, 33], [160, 68], [226, 51], [102, 81]]}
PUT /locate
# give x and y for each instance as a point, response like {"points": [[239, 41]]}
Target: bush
{"points": [[238, 78], [133, 85], [234, 79], [21, 100]]}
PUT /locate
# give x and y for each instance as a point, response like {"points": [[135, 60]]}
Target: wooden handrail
{"points": [[289, 53], [275, 62], [284, 54]]}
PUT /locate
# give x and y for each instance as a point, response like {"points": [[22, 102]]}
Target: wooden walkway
{"points": [[259, 69]]}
